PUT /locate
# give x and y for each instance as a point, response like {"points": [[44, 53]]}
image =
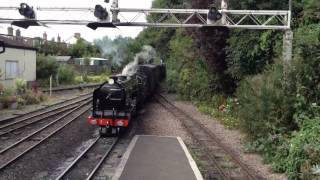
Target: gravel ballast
{"points": [[231, 138]]}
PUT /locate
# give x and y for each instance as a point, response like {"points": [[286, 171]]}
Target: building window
{"points": [[12, 69]]}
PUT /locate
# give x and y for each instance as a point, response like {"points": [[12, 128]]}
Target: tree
{"points": [[79, 49], [46, 66]]}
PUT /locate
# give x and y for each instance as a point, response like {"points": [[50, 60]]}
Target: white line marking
{"points": [[192, 163], [158, 136], [125, 158]]}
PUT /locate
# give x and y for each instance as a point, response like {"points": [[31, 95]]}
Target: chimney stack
{"points": [[45, 36], [59, 39], [77, 35], [10, 31], [18, 35]]}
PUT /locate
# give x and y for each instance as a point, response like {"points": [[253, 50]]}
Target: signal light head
{"points": [[214, 14], [101, 13], [27, 11]]}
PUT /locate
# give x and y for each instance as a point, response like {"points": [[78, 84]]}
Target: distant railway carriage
{"points": [[116, 101]]}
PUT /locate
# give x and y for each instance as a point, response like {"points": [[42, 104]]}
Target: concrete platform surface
{"points": [[157, 158]]}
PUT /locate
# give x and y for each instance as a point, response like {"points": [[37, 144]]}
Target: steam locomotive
{"points": [[115, 102]]}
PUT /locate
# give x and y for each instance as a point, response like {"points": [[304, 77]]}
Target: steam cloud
{"points": [[147, 55]]}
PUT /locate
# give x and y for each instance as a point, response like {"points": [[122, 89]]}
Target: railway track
{"points": [[227, 164], [89, 161], [72, 88], [18, 149], [24, 125], [42, 111]]}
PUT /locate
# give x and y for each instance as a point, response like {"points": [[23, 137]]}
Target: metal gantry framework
{"points": [[248, 19], [245, 19]]}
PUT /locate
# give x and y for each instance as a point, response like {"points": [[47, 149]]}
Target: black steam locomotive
{"points": [[116, 101]]}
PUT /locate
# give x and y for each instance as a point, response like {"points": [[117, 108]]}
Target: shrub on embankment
{"points": [[279, 109]]}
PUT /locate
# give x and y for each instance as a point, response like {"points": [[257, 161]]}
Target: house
{"points": [[62, 59], [91, 65], [18, 61], [93, 61]]}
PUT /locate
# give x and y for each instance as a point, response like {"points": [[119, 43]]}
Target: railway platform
{"points": [[157, 158]]}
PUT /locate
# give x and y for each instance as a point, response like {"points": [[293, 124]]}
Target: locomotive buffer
{"points": [[157, 158]]}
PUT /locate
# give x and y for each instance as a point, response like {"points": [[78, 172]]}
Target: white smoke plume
{"points": [[147, 55], [116, 48]]}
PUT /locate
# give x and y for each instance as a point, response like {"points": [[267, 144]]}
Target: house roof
{"points": [[16, 44], [93, 59], [62, 58]]}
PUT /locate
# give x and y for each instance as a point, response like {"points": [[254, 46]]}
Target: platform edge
{"points": [[192, 163], [125, 158]]}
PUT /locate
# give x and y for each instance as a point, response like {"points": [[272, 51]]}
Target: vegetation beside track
{"points": [[239, 77], [64, 74]]}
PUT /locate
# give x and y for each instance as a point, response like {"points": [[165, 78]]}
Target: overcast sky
{"points": [[67, 31]]}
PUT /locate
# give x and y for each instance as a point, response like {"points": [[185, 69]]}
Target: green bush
{"points": [[266, 105], [66, 74], [31, 97], [93, 79], [194, 83], [299, 157], [21, 85]]}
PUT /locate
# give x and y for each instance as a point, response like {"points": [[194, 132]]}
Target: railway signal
{"points": [[29, 15], [102, 15], [213, 15], [27, 11]]}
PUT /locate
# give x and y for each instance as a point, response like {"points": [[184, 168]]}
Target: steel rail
{"points": [[41, 129], [43, 140], [36, 121], [77, 160], [3, 121], [93, 172], [45, 112], [246, 170], [46, 107]]}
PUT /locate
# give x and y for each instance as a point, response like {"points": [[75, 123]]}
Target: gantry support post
{"points": [[288, 39], [115, 5], [287, 46], [224, 7]]}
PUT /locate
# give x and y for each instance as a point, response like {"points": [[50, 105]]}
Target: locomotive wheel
{"points": [[120, 131], [134, 109], [105, 131]]}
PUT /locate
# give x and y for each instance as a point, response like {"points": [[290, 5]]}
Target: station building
{"points": [[17, 62]]}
